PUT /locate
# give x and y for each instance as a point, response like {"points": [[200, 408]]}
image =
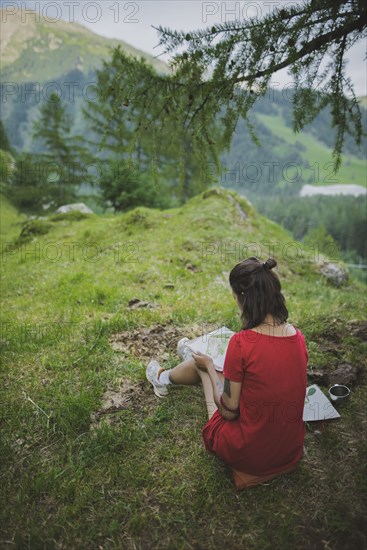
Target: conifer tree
{"points": [[4, 141], [134, 130], [219, 72], [6, 158], [65, 154], [29, 185]]}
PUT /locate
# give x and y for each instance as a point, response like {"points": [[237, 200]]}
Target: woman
{"points": [[255, 407]]}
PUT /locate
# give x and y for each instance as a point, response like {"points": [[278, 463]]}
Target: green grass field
{"points": [[77, 473], [318, 155]]}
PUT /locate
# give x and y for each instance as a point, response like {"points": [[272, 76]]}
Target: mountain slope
{"points": [[42, 51], [285, 161], [39, 57]]}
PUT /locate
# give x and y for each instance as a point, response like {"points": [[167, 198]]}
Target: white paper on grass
{"points": [[214, 344], [317, 406]]}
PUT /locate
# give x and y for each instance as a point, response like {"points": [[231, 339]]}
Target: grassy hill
{"points": [[47, 50], [318, 167], [79, 473], [285, 160]]}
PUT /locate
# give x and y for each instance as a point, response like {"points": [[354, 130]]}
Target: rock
{"points": [[336, 274], [79, 206]]}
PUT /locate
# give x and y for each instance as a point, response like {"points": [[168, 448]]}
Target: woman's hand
{"points": [[202, 361]]}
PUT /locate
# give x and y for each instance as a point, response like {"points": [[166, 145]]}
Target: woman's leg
{"points": [[185, 374], [208, 391]]}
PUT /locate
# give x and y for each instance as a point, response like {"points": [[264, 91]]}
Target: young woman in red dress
{"points": [[255, 407]]}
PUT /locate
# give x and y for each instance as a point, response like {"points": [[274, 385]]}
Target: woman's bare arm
{"points": [[226, 396]]}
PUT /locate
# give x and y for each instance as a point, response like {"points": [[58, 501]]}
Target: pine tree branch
{"points": [[315, 45]]}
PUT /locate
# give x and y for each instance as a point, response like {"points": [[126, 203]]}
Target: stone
{"points": [[79, 206], [335, 273]]}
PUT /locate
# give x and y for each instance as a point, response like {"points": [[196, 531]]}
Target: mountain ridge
{"points": [[81, 47]]}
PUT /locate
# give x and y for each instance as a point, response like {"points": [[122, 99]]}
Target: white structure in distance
{"points": [[340, 189]]}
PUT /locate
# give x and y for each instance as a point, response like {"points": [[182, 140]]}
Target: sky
{"points": [[133, 21]]}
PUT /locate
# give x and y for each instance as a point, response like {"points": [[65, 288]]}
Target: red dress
{"points": [[267, 436]]}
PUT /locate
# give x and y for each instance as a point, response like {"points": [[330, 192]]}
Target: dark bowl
{"points": [[339, 393]]}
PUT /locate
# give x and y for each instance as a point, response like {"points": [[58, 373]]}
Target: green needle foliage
{"points": [[4, 140], [127, 125], [66, 156], [124, 187], [220, 72]]}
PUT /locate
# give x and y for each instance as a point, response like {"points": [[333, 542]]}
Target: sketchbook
{"points": [[214, 344], [317, 406]]}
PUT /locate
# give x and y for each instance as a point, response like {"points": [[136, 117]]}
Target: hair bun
{"points": [[269, 264]]}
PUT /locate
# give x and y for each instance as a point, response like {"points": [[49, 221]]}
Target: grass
{"points": [[320, 170], [141, 477]]}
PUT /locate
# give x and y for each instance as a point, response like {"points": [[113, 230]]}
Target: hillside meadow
{"points": [[90, 457], [318, 168]]}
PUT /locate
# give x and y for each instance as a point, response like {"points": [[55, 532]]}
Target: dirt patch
{"points": [[158, 342], [124, 395], [337, 329], [358, 329], [346, 374], [334, 342], [136, 303], [333, 332], [334, 349]]}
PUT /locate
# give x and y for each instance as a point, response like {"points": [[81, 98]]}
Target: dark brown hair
{"points": [[259, 292]]}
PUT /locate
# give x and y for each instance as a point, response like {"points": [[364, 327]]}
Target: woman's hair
{"points": [[258, 290]]}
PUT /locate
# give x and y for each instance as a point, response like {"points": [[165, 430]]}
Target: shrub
{"points": [[125, 188]]}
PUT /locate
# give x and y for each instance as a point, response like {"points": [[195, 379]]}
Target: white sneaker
{"points": [[151, 373], [182, 350]]}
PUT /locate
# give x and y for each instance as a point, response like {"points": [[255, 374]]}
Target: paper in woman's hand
{"points": [[214, 344]]}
